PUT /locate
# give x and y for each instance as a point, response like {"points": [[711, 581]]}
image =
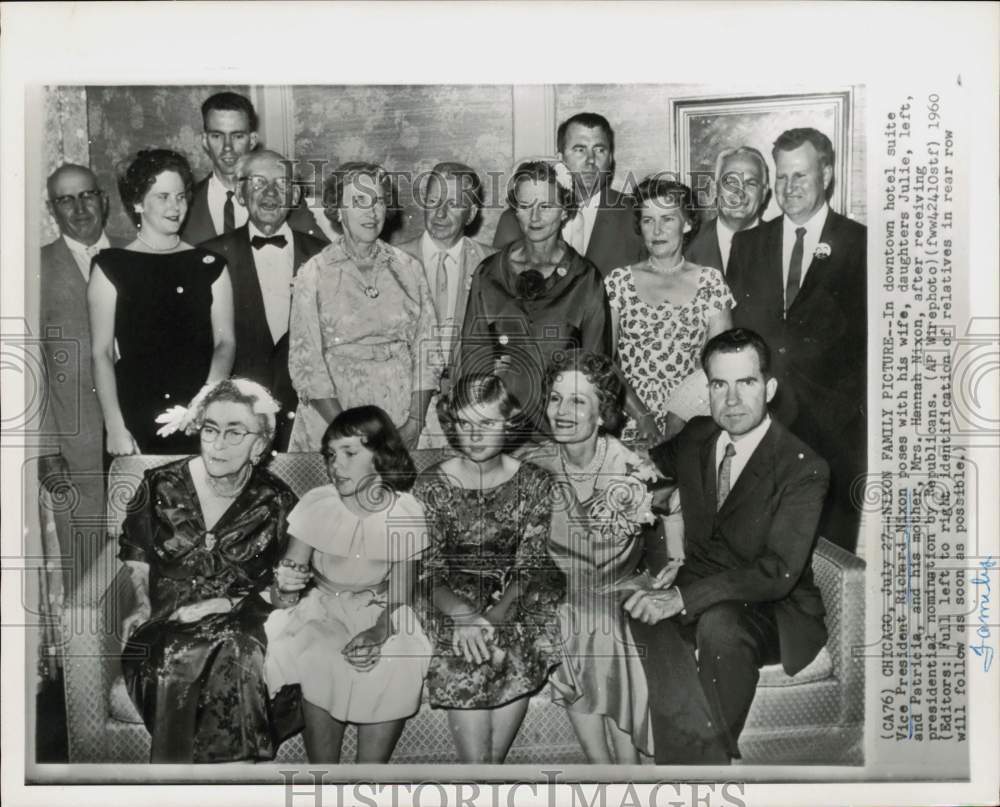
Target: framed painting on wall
{"points": [[702, 127]]}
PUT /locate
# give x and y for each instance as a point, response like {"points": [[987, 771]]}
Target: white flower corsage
{"points": [[563, 177], [181, 418], [822, 251]]}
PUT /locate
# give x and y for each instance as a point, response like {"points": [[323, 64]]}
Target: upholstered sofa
{"points": [[815, 717]]}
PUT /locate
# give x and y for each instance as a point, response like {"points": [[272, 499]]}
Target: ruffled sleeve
{"points": [[320, 518], [719, 295], [614, 286]]}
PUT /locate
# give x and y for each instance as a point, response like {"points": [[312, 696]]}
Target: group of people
{"points": [[232, 327]]}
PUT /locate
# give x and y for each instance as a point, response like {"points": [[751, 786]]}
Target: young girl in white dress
{"points": [[352, 642]]}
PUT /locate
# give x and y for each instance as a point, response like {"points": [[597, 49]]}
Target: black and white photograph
{"points": [[381, 426]]}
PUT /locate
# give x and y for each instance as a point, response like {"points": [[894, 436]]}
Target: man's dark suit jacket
{"points": [[704, 247], [198, 227], [257, 356], [613, 241], [758, 547]]}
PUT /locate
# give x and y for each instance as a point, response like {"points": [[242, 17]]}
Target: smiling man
{"points": [[603, 230], [230, 133], [800, 281], [263, 257], [751, 495], [72, 420], [741, 194]]}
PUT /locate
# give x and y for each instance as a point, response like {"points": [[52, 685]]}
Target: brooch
{"points": [[561, 271], [371, 292], [208, 259], [822, 251]]}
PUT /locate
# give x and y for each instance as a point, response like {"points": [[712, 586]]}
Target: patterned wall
{"points": [[123, 120], [638, 113], [408, 128], [65, 140]]}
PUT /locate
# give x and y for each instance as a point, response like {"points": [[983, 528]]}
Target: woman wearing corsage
{"points": [[597, 540], [352, 641], [492, 586], [201, 538]]}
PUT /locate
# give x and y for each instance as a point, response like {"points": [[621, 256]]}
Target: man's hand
{"points": [[364, 651], [651, 606]]}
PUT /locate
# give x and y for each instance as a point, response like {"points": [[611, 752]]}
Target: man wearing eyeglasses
{"points": [[72, 419], [230, 133], [263, 256]]}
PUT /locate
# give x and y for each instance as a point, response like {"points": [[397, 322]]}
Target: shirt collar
{"points": [[76, 246], [815, 224], [430, 249], [216, 188], [748, 443], [722, 227], [284, 230]]}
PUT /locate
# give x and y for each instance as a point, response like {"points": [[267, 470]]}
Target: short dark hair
{"points": [[602, 373], [590, 120], [333, 189], [541, 171], [135, 180], [733, 341], [379, 435], [791, 139], [470, 185], [476, 389], [229, 102], [663, 186]]}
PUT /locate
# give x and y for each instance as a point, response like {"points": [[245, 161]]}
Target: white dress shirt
{"points": [[217, 200], [725, 238], [587, 214], [275, 271], [814, 229], [453, 265], [744, 448], [82, 254]]}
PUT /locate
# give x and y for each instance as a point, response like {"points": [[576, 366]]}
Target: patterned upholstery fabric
{"points": [[815, 717]]}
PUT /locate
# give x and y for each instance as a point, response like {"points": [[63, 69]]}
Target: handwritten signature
{"points": [[982, 583]]}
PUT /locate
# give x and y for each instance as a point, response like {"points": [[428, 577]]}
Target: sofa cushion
{"points": [[819, 669]]}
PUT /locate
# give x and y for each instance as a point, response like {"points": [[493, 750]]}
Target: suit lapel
{"points": [[818, 270], [252, 298], [67, 264], [752, 472], [714, 244], [299, 256], [709, 471]]}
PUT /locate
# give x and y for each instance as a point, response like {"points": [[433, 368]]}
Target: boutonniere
{"points": [[822, 251]]}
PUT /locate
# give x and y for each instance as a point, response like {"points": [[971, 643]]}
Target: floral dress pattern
{"points": [[361, 347], [659, 346], [199, 686], [482, 541]]}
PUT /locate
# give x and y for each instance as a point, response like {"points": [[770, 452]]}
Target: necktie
{"points": [[441, 287], [725, 469], [228, 214], [794, 268], [259, 241]]}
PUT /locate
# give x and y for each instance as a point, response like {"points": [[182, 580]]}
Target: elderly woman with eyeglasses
{"points": [[201, 540]]}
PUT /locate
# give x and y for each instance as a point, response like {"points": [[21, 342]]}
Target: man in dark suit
{"points": [[263, 257], [800, 281], [451, 198], [604, 229], [230, 133], [751, 495], [741, 193], [72, 419]]}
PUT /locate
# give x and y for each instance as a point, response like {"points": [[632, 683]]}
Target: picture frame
{"points": [[702, 126]]}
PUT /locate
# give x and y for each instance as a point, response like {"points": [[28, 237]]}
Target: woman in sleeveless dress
{"points": [[161, 312]]}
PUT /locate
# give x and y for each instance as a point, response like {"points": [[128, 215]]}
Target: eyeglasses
{"points": [[231, 437], [259, 183], [85, 197]]}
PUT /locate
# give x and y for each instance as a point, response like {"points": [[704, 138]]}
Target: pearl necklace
{"points": [[590, 471], [156, 248], [220, 489], [673, 270]]}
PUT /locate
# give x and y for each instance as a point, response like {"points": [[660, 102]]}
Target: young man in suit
{"points": [[751, 495], [263, 257], [604, 229], [72, 419], [230, 133], [451, 197], [801, 282], [741, 194]]}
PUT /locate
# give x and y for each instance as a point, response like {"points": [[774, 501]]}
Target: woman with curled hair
{"points": [[362, 321], [664, 309], [161, 311], [200, 539], [536, 296], [492, 587], [352, 641], [597, 540]]}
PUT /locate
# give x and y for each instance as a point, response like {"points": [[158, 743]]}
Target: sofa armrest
{"points": [[91, 648], [841, 578]]}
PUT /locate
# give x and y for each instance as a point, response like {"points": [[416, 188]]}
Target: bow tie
{"points": [[275, 240]]}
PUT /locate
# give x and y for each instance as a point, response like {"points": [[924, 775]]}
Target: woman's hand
{"points": [[120, 443], [364, 651], [140, 615], [471, 637], [409, 432], [291, 576], [199, 610]]}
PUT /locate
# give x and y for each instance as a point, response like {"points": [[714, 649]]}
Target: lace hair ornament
{"points": [[183, 418]]}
